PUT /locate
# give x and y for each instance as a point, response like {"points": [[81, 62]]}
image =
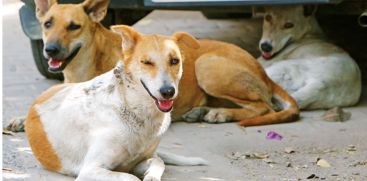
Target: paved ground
{"points": [[229, 148]]}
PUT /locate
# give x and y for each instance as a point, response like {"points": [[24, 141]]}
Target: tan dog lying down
{"points": [[110, 126], [295, 55]]}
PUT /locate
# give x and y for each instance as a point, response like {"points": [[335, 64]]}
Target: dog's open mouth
{"points": [[269, 55], [58, 65], [163, 105]]}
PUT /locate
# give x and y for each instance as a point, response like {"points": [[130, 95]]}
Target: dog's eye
{"points": [[73, 26], [47, 24], [288, 25], [268, 18], [174, 61], [147, 62]]}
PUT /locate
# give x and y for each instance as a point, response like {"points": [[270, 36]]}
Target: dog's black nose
{"points": [[167, 92], [52, 49], [266, 47]]}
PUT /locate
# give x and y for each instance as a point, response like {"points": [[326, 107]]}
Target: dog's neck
{"points": [[96, 57], [138, 102]]}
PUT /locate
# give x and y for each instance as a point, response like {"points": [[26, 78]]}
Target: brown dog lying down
{"points": [[219, 73]]}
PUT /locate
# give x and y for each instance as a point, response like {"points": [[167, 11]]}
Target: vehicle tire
{"points": [[41, 61]]}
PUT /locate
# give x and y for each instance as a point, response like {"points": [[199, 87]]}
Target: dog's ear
{"points": [[128, 35], [96, 9], [186, 39], [309, 10], [42, 6]]}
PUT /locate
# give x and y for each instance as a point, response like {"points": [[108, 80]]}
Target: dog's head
{"points": [[282, 25], [155, 62], [66, 28]]}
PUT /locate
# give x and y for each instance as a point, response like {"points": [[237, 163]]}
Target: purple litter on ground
{"points": [[272, 135]]}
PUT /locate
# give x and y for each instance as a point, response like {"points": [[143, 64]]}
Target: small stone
{"points": [[268, 161], [323, 163], [360, 163], [7, 169], [289, 150], [7, 132], [336, 114], [351, 148], [288, 164], [329, 150], [235, 155], [312, 176], [261, 155]]}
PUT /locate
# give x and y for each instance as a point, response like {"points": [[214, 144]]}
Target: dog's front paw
{"points": [[217, 116], [195, 115], [151, 178], [16, 124]]}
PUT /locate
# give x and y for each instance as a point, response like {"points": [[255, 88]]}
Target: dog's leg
{"points": [[103, 156], [230, 80], [308, 94], [289, 74], [151, 169], [98, 173], [221, 115]]}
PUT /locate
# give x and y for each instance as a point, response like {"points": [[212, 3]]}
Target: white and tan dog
{"points": [[110, 126], [316, 73]]}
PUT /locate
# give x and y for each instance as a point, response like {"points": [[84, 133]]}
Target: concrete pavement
{"points": [[234, 153]]}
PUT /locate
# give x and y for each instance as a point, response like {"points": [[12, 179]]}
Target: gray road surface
{"points": [[224, 145]]}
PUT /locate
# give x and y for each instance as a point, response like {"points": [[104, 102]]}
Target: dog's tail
{"points": [[179, 160], [289, 112]]}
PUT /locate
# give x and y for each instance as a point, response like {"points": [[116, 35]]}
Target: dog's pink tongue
{"points": [[165, 105], [266, 55], [54, 63]]}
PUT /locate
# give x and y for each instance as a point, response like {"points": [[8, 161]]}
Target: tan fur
{"points": [[226, 71], [150, 44], [37, 137], [288, 115]]}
